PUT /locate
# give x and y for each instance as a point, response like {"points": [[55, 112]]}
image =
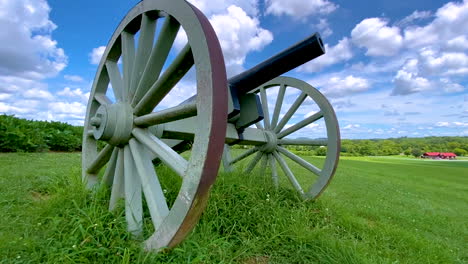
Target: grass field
{"points": [[376, 210]]}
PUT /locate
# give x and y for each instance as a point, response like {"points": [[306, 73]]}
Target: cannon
{"points": [[128, 129]]}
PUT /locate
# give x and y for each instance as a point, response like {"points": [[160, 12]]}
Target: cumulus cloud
{"points": [[96, 54], [239, 34], [73, 78], [451, 22], [208, 8], [339, 87], [299, 9], [336, 54], [77, 93], [378, 38], [407, 83], [324, 28], [28, 49]]}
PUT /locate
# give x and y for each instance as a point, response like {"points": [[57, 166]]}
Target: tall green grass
{"points": [[376, 210]]}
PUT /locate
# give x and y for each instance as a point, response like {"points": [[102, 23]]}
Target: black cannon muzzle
{"points": [[288, 59]]}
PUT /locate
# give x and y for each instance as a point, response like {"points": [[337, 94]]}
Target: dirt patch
{"points": [[257, 260], [39, 196]]}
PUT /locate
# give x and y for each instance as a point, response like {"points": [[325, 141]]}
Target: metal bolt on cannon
{"points": [[125, 113]]}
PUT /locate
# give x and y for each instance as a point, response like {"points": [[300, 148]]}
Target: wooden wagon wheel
{"points": [[132, 62], [277, 130]]}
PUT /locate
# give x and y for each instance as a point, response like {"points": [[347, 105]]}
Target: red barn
{"points": [[439, 155]]}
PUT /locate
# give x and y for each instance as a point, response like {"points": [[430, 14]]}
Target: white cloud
{"points": [[209, 8], [239, 34], [74, 94], [459, 43], [299, 9], [37, 93], [450, 87], [352, 126], [338, 53], [451, 21], [324, 27], [442, 124], [416, 15], [443, 63], [407, 83], [339, 87], [73, 78], [378, 38], [96, 54], [28, 49]]}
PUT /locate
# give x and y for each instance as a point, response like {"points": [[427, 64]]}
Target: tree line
{"points": [[21, 135]]}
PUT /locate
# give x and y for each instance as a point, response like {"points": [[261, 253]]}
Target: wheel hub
{"points": [[272, 142], [113, 123]]}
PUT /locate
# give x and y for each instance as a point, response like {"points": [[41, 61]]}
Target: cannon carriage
{"points": [[143, 62]]}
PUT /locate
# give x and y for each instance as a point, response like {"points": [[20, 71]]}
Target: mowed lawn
{"points": [[376, 210]]}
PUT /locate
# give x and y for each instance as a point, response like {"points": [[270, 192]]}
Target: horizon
{"points": [[391, 70]]}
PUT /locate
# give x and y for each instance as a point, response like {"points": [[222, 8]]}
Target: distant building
{"points": [[439, 155]]}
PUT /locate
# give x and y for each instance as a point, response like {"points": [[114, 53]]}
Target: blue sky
{"points": [[392, 68]]}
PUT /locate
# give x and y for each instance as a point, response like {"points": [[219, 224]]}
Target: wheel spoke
{"points": [[301, 124], [102, 99], [227, 158], [303, 142], [259, 125], [128, 59], [253, 162], [288, 172], [157, 58], [162, 151], [90, 133], [274, 172], [133, 201], [115, 79], [263, 164], [118, 184], [108, 177], [279, 103], [145, 45], [291, 112], [101, 159], [266, 114], [178, 68], [154, 195], [300, 161], [245, 155], [171, 114]]}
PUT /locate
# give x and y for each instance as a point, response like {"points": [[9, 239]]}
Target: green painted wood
{"points": [[133, 198], [300, 99], [309, 120], [178, 68], [253, 162], [118, 191], [275, 136], [287, 171], [167, 115], [108, 177], [162, 151], [278, 104], [154, 194], [266, 114], [157, 57], [116, 80], [145, 47], [128, 60]]}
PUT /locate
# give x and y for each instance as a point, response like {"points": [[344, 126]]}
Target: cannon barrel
{"points": [[288, 59]]}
